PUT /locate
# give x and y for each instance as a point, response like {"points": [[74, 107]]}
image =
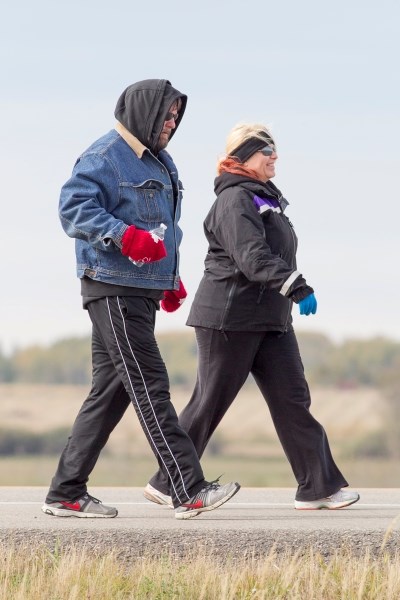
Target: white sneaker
{"points": [[211, 496], [85, 506], [338, 500], [150, 493]]}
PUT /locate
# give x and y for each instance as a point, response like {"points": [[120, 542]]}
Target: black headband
{"points": [[250, 146]]}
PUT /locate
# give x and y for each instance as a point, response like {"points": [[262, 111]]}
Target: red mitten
{"points": [[140, 245], [174, 298]]}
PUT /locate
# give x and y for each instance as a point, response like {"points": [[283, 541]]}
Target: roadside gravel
{"points": [[131, 544]]}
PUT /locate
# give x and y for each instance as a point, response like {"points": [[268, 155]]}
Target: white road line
{"points": [[233, 503], [17, 502]]}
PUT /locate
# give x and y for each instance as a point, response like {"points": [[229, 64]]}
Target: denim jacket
{"points": [[115, 183]]}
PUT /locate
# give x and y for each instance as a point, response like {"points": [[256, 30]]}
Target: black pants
{"points": [[127, 367], [225, 361]]}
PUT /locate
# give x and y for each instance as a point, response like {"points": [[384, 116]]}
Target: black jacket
{"points": [[250, 278]]}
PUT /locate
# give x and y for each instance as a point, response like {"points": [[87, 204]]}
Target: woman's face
{"points": [[263, 163]]}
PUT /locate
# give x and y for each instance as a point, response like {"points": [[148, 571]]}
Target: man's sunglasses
{"points": [[171, 115]]}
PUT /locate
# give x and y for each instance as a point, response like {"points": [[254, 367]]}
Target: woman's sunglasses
{"points": [[267, 150]]}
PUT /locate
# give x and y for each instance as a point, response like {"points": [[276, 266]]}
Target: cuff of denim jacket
{"points": [[121, 234]]}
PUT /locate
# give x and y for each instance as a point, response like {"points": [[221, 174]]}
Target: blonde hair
{"points": [[237, 136], [243, 132]]}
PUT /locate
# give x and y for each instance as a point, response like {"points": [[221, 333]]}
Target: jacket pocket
{"points": [[146, 202]]}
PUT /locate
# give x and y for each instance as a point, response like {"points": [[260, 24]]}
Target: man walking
{"points": [[122, 187]]}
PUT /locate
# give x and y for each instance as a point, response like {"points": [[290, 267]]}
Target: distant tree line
{"points": [[372, 362], [16, 442]]}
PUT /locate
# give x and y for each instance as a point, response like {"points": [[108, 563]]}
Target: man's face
{"points": [[169, 125]]}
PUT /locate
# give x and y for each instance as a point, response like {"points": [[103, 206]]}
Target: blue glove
{"points": [[308, 305]]}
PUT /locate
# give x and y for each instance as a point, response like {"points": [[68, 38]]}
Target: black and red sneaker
{"points": [[211, 496], [85, 506]]}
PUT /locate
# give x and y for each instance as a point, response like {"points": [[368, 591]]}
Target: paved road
{"points": [[254, 521]]}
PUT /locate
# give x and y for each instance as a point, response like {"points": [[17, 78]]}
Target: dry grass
{"points": [[248, 446], [247, 424], [79, 575]]}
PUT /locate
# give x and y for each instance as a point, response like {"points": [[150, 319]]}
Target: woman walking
{"points": [[242, 318]]}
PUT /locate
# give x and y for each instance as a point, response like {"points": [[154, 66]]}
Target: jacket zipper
{"points": [[174, 220], [229, 298], [294, 254], [260, 293]]}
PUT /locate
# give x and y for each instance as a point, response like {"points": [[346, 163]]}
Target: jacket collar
{"points": [[131, 140]]}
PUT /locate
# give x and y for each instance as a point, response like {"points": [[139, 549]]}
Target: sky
{"points": [[324, 76]]}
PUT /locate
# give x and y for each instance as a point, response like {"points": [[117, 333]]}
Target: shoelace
{"points": [[92, 498], [213, 485]]}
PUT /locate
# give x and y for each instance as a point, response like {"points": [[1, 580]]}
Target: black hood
{"points": [[143, 106], [227, 180]]}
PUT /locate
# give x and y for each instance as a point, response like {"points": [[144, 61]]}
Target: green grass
{"points": [[253, 471]]}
